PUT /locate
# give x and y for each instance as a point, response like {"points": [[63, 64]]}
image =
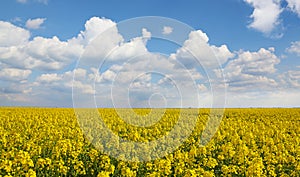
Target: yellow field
{"points": [[249, 142]]}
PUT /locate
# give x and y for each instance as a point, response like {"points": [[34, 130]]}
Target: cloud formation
{"points": [[12, 35], [294, 48], [250, 71], [37, 66], [294, 5], [265, 15], [197, 50], [14, 74], [34, 23]]}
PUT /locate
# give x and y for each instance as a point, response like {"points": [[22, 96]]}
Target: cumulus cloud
{"points": [[64, 82], [40, 53], [167, 30], [34, 23], [110, 46], [146, 34], [128, 50], [12, 35], [100, 38], [265, 15], [51, 53], [294, 5], [84, 88], [294, 48], [14, 74], [95, 26], [197, 50], [49, 78], [250, 70], [290, 79]]}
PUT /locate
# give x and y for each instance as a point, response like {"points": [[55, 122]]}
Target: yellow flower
{"points": [[211, 162], [190, 173], [93, 154], [127, 172], [255, 167], [6, 165], [30, 173], [208, 174], [103, 174]]}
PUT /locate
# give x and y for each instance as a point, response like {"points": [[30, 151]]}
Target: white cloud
{"points": [[22, 58], [294, 48], [146, 34], [294, 5], [167, 30], [82, 87], [290, 79], [95, 26], [197, 49], [79, 73], [125, 51], [250, 70], [51, 53], [108, 75], [261, 62], [35, 23], [99, 38], [110, 46], [64, 82], [14, 74], [11, 35], [49, 78], [265, 15], [39, 53]]}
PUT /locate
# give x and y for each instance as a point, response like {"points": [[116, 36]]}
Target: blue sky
{"points": [[257, 43]]}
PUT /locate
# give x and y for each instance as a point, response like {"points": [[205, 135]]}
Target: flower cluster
{"points": [[50, 142]]}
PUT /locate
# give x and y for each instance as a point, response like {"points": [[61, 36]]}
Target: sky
{"points": [[212, 53]]}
